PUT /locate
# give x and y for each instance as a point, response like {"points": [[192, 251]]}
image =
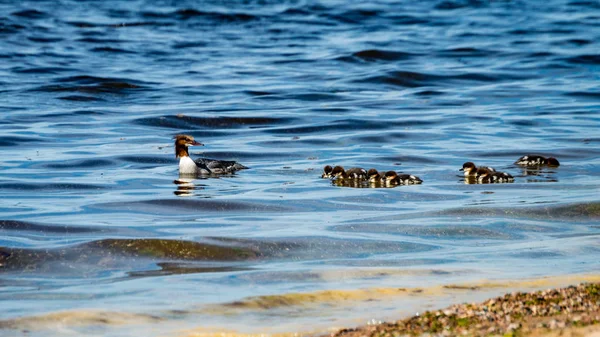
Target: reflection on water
{"points": [[94, 217], [187, 186]]}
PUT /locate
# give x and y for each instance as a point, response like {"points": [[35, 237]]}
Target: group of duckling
{"points": [[359, 177]]}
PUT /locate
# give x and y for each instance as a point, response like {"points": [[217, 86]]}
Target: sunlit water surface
{"points": [[98, 230]]}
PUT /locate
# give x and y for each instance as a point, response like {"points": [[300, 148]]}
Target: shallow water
{"points": [[93, 215]]}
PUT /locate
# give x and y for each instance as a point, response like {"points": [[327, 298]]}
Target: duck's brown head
{"points": [[469, 168], [390, 175], [181, 144], [327, 172], [552, 161], [338, 172], [374, 175]]}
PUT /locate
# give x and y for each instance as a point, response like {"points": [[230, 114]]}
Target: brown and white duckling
{"points": [[535, 160], [392, 178], [354, 173], [327, 172], [338, 172], [471, 170], [357, 173], [502, 177], [485, 176], [374, 176], [202, 166]]}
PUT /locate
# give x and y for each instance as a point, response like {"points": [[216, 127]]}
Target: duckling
{"points": [[535, 160], [354, 173], [392, 178], [471, 170], [358, 173], [327, 172], [338, 172], [488, 177], [374, 176]]}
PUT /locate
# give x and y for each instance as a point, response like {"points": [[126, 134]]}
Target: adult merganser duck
{"points": [[392, 178], [202, 166], [534, 160]]}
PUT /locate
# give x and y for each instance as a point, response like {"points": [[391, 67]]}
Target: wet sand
{"points": [[547, 306]]}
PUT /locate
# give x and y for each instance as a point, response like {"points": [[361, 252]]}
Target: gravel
{"points": [[515, 314]]}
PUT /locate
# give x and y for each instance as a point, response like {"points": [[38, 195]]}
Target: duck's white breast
{"points": [[187, 166]]}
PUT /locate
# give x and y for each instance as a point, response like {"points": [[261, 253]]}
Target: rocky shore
{"points": [[570, 311]]}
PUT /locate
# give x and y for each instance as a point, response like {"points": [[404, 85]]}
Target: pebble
{"points": [[514, 313]]}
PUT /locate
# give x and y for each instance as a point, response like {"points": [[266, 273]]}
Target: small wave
{"points": [[183, 122], [467, 52], [584, 94], [588, 211], [44, 39], [187, 14], [179, 268], [17, 140], [81, 98], [93, 85], [350, 124], [448, 5], [190, 44], [73, 164], [10, 28], [40, 70], [585, 59], [318, 247], [411, 159], [378, 55], [111, 50], [447, 231], [100, 40], [16, 225], [50, 186], [145, 160], [412, 79], [30, 14], [585, 3], [181, 206], [82, 259]]}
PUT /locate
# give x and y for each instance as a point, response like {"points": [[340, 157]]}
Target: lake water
{"points": [[99, 236]]}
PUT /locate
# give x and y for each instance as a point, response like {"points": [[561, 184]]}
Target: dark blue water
{"points": [[98, 235]]}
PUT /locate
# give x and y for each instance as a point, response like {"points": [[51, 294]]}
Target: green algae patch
{"points": [[584, 211], [96, 256], [174, 249]]}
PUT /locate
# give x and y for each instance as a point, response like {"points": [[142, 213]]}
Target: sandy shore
{"points": [[569, 311]]}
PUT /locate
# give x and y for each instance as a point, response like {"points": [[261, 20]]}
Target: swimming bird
{"points": [[374, 176], [354, 173], [471, 170], [485, 176], [392, 178], [535, 160], [327, 172], [202, 166]]}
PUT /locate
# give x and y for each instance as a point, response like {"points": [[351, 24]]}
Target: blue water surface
{"points": [[93, 214]]}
